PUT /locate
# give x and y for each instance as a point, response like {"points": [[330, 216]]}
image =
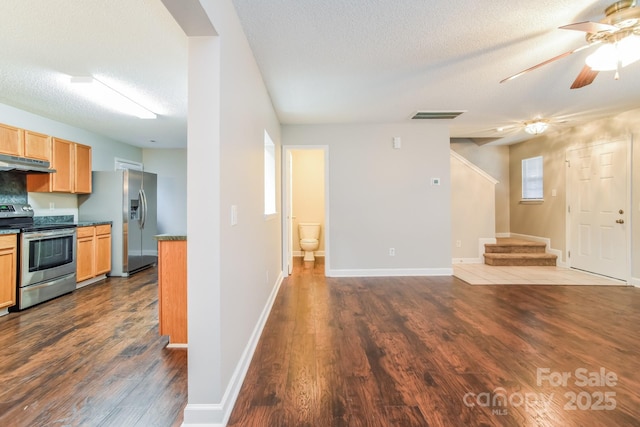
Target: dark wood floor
{"points": [[437, 352], [92, 358]]}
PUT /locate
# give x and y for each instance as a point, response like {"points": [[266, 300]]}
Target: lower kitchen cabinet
{"points": [[93, 255], [8, 266], [172, 292]]}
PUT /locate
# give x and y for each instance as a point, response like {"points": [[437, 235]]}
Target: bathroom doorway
{"points": [[305, 200]]}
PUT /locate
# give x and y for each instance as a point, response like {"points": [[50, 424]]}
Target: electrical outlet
{"points": [[392, 251], [458, 243]]}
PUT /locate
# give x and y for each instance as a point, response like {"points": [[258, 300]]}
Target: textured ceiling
{"points": [[380, 61], [329, 61], [135, 46]]}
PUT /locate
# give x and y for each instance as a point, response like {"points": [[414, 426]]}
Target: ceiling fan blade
{"points": [[590, 27], [586, 77], [548, 61]]}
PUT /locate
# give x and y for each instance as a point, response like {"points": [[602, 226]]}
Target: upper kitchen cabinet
{"points": [[11, 140], [24, 143], [82, 169], [72, 163], [37, 145]]}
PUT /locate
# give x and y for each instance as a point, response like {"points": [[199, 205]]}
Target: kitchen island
{"points": [[172, 288]]}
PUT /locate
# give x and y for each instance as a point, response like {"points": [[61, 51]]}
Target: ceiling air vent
{"points": [[436, 115]]}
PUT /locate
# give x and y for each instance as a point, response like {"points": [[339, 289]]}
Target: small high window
{"points": [[269, 175], [532, 179]]}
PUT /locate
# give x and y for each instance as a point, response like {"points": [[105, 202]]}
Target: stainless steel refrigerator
{"points": [[127, 198]]}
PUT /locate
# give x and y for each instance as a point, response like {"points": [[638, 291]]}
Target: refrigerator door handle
{"points": [[143, 207]]}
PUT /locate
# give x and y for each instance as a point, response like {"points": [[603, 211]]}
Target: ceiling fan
{"points": [[618, 35]]}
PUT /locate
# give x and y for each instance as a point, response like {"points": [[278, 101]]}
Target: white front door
{"points": [[598, 204]]}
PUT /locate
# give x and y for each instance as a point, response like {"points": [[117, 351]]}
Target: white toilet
{"points": [[309, 239]]}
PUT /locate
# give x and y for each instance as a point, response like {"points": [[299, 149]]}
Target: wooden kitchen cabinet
{"points": [[85, 253], [37, 145], [82, 169], [24, 143], [72, 163], [8, 266], [103, 249], [11, 140], [93, 254], [172, 292]]}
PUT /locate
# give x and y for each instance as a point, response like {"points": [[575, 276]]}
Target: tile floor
{"points": [[482, 274]]}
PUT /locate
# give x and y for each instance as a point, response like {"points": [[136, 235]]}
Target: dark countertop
{"points": [[160, 237], [71, 223], [68, 220], [92, 223]]}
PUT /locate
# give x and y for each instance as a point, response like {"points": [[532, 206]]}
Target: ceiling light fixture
{"points": [[536, 127], [608, 56], [103, 94]]}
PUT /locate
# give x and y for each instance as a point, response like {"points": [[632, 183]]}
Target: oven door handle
{"points": [[30, 235]]}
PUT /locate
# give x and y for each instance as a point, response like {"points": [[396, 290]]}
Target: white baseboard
{"points": [[4, 311], [635, 281], [217, 415], [390, 272], [480, 258], [178, 345]]}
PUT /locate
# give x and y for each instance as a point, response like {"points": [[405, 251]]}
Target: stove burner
{"points": [[19, 216]]}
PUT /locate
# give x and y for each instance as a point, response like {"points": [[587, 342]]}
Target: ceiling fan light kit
{"points": [[618, 35]]}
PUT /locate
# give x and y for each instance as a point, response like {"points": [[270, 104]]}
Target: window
{"points": [[532, 178], [269, 175]]}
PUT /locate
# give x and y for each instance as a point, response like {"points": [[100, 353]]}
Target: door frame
{"points": [[287, 238], [627, 140]]}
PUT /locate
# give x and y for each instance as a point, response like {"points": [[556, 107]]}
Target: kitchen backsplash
{"points": [[53, 219], [13, 187]]}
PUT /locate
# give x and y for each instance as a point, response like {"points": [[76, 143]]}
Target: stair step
{"points": [[515, 246], [520, 259]]}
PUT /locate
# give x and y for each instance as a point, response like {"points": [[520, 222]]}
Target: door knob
{"points": [[620, 211], [620, 221]]}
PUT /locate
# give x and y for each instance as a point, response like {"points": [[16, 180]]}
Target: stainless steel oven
{"points": [[48, 264]]}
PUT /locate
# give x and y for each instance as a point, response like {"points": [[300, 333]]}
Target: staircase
{"points": [[516, 252]]}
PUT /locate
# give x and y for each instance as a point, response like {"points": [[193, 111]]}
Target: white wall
{"points": [[473, 210], [171, 168], [382, 198], [494, 160], [233, 270]]}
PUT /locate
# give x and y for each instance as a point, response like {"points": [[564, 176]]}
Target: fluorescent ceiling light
{"points": [[103, 94]]}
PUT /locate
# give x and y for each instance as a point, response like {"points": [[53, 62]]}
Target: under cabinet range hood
{"points": [[21, 164]]}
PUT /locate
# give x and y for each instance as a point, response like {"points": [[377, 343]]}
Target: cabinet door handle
{"points": [[620, 221]]}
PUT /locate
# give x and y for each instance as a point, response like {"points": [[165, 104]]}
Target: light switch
{"points": [[234, 215], [397, 144]]}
